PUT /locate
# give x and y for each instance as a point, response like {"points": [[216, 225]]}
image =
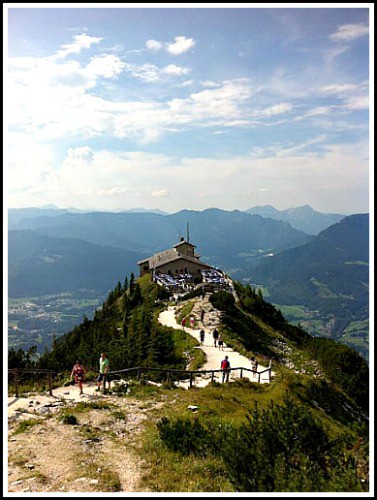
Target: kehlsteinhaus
{"points": [[181, 259], [180, 267]]}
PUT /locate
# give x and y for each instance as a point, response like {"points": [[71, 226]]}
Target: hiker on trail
{"points": [[104, 367], [215, 336], [192, 321], [183, 323], [225, 367], [202, 335], [78, 375], [220, 343], [202, 315]]}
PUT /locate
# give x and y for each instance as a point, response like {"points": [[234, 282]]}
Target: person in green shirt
{"points": [[104, 367]]}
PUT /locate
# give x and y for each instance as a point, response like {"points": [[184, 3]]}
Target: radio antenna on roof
{"points": [[188, 234]]}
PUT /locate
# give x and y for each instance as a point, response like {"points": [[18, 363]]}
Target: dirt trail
{"points": [[213, 354], [100, 453], [97, 454]]}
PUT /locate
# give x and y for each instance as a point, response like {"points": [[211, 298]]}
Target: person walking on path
{"points": [[192, 321], [225, 367], [220, 343], [183, 323], [202, 335], [78, 375], [215, 336], [104, 367], [202, 316]]}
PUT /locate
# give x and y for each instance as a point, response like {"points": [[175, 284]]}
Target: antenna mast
{"points": [[188, 234]]}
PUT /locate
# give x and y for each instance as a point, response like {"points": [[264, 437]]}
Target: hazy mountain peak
{"points": [[304, 218]]}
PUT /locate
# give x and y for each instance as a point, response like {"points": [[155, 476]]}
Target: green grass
{"points": [[95, 405], [68, 418], [223, 406], [25, 425], [294, 311], [358, 326]]}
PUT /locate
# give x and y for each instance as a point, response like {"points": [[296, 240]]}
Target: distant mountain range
{"points": [[53, 250], [39, 265], [223, 238], [304, 218], [328, 275]]}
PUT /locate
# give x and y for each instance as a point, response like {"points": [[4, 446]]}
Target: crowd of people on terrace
{"points": [[184, 282], [213, 276]]}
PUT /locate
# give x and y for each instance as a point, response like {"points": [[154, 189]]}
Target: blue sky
{"points": [[113, 108]]}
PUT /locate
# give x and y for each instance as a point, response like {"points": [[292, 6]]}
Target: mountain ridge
{"points": [[304, 218]]}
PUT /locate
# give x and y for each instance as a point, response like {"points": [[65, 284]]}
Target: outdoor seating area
{"points": [[182, 282], [214, 277]]}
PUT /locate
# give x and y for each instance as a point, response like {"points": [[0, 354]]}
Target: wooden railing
{"points": [[170, 372], [17, 372], [191, 373]]}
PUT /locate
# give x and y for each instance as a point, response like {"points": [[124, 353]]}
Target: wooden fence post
{"points": [[49, 383], [16, 382], [241, 372], [212, 375], [190, 380], [258, 377]]}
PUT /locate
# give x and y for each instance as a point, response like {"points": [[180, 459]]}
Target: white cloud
{"points": [[80, 154], [220, 106], [178, 47], [348, 32], [186, 83], [277, 109], [146, 72], [357, 103], [338, 88], [106, 66], [353, 97], [293, 151], [115, 191], [153, 44], [161, 193], [81, 42], [151, 73], [116, 180], [210, 83], [172, 69], [181, 45]]}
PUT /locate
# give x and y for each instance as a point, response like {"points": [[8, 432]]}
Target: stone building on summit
{"points": [[181, 259]]}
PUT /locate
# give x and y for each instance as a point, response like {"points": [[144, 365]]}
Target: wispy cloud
{"points": [[172, 69], [276, 109], [347, 32], [294, 151], [161, 193]]}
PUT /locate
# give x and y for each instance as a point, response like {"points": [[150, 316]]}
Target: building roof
{"points": [[162, 258], [184, 242]]}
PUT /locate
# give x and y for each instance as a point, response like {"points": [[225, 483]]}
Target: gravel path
{"points": [[213, 354]]}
